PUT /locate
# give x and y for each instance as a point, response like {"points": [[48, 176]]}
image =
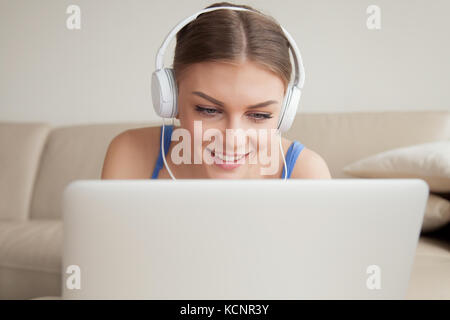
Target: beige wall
{"points": [[101, 73]]}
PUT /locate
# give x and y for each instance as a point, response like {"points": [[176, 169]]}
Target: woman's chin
{"points": [[223, 171]]}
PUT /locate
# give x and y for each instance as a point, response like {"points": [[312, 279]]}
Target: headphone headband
{"points": [[299, 78]]}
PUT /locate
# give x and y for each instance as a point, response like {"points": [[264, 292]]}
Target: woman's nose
{"points": [[235, 136], [235, 123]]}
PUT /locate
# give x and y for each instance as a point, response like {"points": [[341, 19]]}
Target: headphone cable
{"points": [[163, 152], [284, 160]]}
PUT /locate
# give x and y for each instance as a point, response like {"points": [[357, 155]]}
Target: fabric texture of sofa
{"points": [[37, 161]]}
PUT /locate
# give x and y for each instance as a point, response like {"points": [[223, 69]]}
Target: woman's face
{"points": [[225, 96]]}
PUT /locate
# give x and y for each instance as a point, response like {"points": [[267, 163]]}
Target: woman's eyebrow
{"points": [[205, 96], [220, 103]]}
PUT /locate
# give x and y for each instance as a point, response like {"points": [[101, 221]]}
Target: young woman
{"points": [[228, 77]]}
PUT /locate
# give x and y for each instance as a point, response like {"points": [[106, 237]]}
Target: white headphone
{"points": [[165, 91]]}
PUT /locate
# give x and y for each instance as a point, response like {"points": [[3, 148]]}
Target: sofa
{"points": [[37, 161]]}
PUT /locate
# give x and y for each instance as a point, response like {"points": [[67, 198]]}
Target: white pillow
{"points": [[437, 213], [429, 161]]}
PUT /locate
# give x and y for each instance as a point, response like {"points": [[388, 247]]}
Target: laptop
{"points": [[241, 239]]}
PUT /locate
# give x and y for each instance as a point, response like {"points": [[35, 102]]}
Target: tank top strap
{"points": [[291, 157], [167, 138]]}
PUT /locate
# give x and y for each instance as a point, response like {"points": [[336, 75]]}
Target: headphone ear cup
{"points": [[289, 108], [165, 93]]}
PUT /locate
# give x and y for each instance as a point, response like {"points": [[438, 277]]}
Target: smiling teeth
{"points": [[228, 158]]}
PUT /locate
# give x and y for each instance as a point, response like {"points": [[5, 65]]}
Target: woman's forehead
{"points": [[224, 81]]}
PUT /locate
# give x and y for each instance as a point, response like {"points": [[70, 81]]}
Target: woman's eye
{"points": [[260, 116], [207, 111]]}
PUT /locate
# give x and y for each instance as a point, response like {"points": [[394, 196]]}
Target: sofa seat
{"points": [[30, 258], [430, 275]]}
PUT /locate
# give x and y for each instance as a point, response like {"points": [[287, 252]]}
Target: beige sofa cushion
{"points": [[71, 153], [31, 245], [30, 258], [28, 284], [343, 138], [21, 147], [428, 161], [437, 213]]}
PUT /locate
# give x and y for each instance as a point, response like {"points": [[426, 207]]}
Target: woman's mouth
{"points": [[226, 161]]}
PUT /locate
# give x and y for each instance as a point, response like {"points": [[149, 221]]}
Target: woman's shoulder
{"points": [[146, 142], [132, 154], [146, 135], [310, 165]]}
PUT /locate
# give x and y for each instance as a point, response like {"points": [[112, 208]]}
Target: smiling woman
{"points": [[231, 72]]}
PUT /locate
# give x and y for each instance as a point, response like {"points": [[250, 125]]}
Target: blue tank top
{"points": [[291, 155]]}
